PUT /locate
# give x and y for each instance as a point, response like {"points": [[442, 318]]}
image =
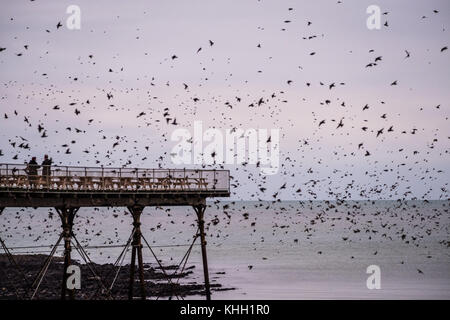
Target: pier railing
{"points": [[59, 178]]}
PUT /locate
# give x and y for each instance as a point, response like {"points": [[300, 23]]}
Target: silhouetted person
{"points": [[46, 168], [32, 171]]}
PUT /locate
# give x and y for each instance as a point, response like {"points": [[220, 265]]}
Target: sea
{"points": [[271, 250]]}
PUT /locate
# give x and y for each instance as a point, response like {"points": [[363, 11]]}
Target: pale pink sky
{"points": [[142, 36]]}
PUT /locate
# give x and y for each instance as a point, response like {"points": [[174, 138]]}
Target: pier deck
{"points": [[98, 186]]}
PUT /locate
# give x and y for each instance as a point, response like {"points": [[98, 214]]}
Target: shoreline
{"points": [[15, 282]]}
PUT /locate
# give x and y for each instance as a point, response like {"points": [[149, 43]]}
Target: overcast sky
{"points": [[286, 52]]}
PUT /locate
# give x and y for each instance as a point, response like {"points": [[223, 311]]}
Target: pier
{"points": [[68, 188]]}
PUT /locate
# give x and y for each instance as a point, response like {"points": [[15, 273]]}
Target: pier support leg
{"points": [[136, 212], [67, 215], [200, 210]]}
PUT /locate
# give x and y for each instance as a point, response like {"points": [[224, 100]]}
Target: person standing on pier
{"points": [[32, 171], [46, 169]]}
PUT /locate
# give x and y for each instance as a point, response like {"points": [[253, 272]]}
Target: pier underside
{"points": [[41, 198]]}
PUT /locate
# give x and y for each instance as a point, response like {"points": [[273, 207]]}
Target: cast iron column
{"points": [[67, 215], [136, 212], [200, 210]]}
